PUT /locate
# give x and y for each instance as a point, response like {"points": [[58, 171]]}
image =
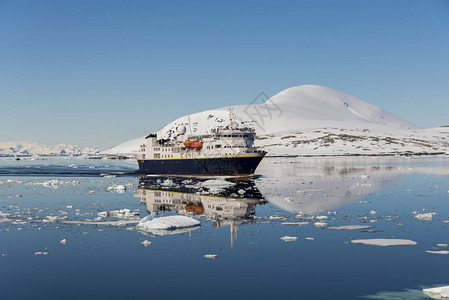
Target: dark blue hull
{"points": [[204, 166]]}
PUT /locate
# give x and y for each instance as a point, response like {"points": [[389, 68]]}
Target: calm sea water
{"points": [[241, 223]]}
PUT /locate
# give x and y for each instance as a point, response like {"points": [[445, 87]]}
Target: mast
{"points": [[230, 117], [190, 125]]}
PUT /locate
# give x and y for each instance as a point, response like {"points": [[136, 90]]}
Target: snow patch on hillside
{"points": [[126, 148]]}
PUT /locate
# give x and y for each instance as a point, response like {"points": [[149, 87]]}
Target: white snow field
{"points": [[314, 120]]}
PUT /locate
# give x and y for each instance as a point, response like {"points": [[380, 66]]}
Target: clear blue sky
{"points": [[97, 73]]}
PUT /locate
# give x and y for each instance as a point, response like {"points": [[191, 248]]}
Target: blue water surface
{"points": [[110, 262]]}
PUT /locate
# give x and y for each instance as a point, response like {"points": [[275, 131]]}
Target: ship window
{"points": [[217, 146]]}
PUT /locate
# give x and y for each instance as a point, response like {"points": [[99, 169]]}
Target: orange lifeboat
{"points": [[195, 208], [193, 144]]}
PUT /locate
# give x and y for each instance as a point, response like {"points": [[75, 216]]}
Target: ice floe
{"points": [[295, 223], [211, 256], [438, 252], [146, 243], [385, 242], [106, 223], [441, 292], [167, 223], [349, 227], [120, 213], [63, 241], [425, 217], [289, 238], [320, 224]]}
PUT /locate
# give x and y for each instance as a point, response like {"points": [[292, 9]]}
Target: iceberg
{"points": [[441, 292], [350, 227], [150, 223], [438, 252], [385, 242], [289, 238]]}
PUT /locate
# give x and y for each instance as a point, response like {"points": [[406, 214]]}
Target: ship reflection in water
{"points": [[223, 202]]}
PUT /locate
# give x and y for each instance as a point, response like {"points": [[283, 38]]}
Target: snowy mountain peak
{"points": [[314, 102], [297, 118], [31, 148]]}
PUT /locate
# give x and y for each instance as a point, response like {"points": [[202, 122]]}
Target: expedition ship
{"points": [[222, 151]]}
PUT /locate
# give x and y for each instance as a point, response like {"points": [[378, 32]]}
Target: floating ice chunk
{"points": [[373, 212], [443, 245], [40, 253], [349, 227], [277, 218], [424, 217], [438, 252], [211, 256], [289, 238], [321, 217], [438, 292], [120, 188], [51, 184], [53, 219], [91, 192], [310, 238], [120, 213], [146, 243], [320, 224], [385, 242], [112, 223], [63, 241], [167, 223], [295, 223], [241, 191], [69, 206]]}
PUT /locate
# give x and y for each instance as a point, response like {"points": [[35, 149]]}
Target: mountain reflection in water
{"points": [[316, 185]]}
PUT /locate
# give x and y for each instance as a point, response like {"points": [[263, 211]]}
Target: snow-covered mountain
{"points": [[314, 120], [31, 148]]}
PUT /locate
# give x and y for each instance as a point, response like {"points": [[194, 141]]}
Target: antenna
{"points": [[230, 116]]}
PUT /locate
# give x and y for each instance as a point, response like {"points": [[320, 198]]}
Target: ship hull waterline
{"points": [[221, 166]]}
